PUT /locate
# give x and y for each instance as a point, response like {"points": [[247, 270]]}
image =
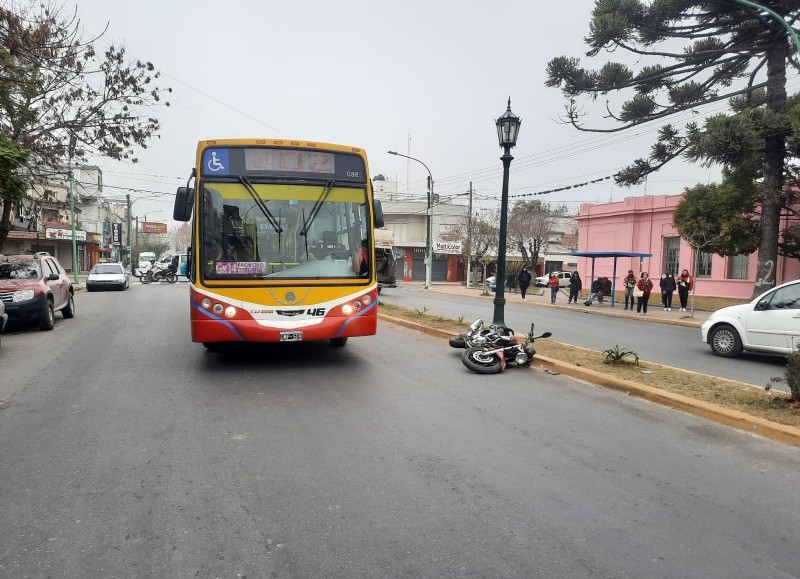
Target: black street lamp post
{"points": [[507, 131]]}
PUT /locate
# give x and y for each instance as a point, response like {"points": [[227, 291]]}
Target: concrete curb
{"points": [[734, 418]]}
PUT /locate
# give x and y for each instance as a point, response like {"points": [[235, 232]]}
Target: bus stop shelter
{"points": [[593, 255]]}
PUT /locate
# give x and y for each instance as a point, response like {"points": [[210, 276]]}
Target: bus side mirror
{"points": [[377, 209], [184, 199]]}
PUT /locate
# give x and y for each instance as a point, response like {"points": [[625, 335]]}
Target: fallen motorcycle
{"points": [[474, 336], [502, 348]]}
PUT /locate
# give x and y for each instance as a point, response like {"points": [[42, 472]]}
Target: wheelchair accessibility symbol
{"points": [[216, 161]]}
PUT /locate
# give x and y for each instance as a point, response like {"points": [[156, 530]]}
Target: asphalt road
{"points": [[676, 346], [130, 452]]}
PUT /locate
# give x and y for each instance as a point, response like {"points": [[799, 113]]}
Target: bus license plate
{"points": [[291, 336]]}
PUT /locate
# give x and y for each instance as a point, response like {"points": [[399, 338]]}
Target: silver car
{"points": [[107, 276]]}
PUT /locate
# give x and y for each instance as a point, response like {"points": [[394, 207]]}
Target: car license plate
{"points": [[291, 336]]}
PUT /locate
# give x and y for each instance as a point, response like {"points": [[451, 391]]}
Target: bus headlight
{"points": [[218, 308], [230, 312], [347, 309], [357, 305], [206, 303], [366, 298]]}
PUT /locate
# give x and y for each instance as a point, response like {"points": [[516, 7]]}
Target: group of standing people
{"points": [[669, 283], [637, 289], [641, 288]]}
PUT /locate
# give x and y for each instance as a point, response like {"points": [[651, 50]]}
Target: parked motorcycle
{"points": [[142, 269], [169, 274], [502, 348], [474, 336]]}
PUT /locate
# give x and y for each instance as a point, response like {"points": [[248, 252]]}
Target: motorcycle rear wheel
{"points": [[480, 361]]}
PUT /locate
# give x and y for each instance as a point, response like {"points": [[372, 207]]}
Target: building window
{"points": [[672, 254], [739, 266], [551, 266], [704, 264]]}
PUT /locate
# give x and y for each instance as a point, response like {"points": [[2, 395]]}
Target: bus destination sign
{"points": [[282, 162]]}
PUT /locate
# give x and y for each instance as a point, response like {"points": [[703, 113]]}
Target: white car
{"points": [[107, 276], [563, 279], [770, 324]]}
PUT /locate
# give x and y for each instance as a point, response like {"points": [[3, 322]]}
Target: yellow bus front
{"points": [[283, 242]]}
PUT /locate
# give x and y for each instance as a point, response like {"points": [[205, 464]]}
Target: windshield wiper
{"points": [[261, 205], [317, 206]]}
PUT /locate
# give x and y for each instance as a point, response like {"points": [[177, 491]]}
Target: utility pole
{"points": [[130, 249], [72, 206], [469, 236], [429, 259]]}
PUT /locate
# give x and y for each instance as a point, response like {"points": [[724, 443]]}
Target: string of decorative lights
{"points": [[565, 187]]}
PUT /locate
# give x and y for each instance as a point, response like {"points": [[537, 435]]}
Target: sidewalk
{"points": [[540, 298]]}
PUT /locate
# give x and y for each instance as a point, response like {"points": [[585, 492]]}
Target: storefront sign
{"points": [[64, 234], [452, 247], [116, 233]]}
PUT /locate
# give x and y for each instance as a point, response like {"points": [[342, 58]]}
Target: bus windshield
{"points": [[311, 231]]}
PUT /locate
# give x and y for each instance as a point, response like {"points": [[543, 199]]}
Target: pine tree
{"points": [[690, 53]]}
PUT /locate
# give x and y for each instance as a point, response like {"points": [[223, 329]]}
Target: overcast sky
{"points": [[370, 74]]}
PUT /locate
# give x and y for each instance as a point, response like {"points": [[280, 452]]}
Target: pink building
{"points": [[644, 225]]}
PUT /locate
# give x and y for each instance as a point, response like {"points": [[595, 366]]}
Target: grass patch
{"points": [[770, 405]]}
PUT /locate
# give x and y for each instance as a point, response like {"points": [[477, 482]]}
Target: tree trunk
{"points": [[774, 159], [5, 221]]}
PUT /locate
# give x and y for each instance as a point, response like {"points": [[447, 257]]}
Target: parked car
{"points": [[34, 287], [770, 323], [107, 276], [563, 279]]}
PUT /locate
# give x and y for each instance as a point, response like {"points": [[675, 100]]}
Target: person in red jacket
{"points": [[554, 284], [645, 286], [685, 285]]}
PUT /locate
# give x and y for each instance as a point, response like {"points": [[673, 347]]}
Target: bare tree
{"points": [[529, 226], [62, 99], [183, 236], [479, 237]]}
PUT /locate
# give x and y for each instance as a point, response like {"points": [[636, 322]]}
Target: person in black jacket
{"points": [[575, 287], [668, 287], [524, 280]]}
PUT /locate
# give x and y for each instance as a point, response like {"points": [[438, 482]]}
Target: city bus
{"points": [[283, 242]]}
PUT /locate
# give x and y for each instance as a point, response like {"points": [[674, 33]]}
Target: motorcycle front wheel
{"points": [[172, 277], [147, 277], [480, 361]]}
